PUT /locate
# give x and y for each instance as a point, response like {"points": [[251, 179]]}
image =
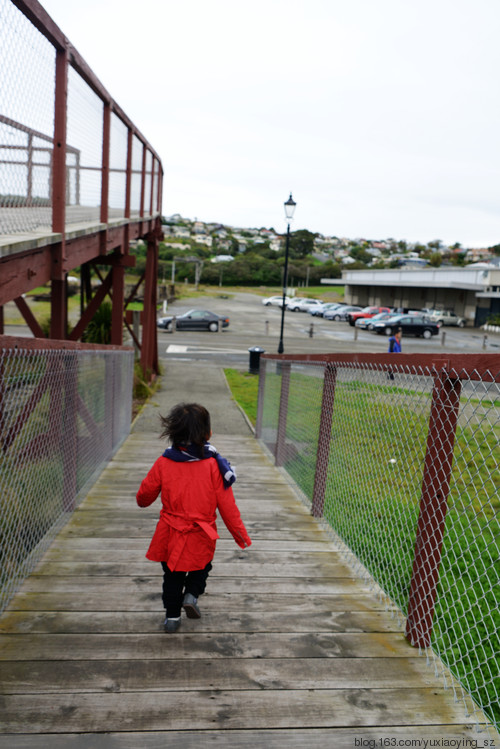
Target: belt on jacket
{"points": [[184, 527]]}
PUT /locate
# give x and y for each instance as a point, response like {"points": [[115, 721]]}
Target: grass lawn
{"points": [[245, 388]]}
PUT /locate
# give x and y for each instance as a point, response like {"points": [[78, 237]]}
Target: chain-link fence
{"points": [[403, 463], [110, 171], [63, 413]]}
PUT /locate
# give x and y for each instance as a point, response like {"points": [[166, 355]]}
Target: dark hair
{"points": [[186, 423]]}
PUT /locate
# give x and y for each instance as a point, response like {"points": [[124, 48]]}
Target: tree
{"points": [[435, 259], [301, 243], [360, 255]]}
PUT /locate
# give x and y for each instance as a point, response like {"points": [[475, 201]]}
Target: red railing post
{"points": [[58, 306], [149, 346], [128, 188], [433, 506], [279, 453], [143, 180], [106, 138], [324, 440]]}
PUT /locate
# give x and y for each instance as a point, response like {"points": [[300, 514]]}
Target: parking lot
{"points": [[253, 324]]}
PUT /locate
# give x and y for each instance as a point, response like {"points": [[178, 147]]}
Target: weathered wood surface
{"points": [[292, 649]]}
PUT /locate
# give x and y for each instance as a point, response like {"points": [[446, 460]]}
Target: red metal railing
{"points": [[400, 454], [95, 185]]}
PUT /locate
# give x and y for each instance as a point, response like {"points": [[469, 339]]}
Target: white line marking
{"points": [[174, 349]]}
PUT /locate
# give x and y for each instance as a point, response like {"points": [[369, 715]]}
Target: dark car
{"points": [[416, 325], [195, 319]]}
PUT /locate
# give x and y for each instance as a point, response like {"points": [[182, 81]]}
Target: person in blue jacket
{"points": [[395, 342], [394, 347]]}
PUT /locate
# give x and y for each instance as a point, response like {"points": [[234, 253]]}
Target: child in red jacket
{"points": [[194, 481]]}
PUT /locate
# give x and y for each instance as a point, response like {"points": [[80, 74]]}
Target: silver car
{"points": [[341, 313]]}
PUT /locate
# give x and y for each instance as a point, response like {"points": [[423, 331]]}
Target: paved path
{"points": [[292, 650]]}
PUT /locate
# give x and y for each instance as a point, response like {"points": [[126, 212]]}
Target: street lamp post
{"points": [[289, 211]]}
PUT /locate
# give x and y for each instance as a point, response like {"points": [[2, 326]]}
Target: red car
{"points": [[366, 312]]}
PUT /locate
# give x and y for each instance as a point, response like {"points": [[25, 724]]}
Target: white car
{"points": [[301, 304], [446, 317], [275, 301]]}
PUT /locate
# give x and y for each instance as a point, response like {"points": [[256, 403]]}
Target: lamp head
{"points": [[290, 207]]}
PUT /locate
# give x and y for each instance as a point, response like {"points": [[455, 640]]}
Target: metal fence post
{"points": [[109, 406], [260, 398], [279, 453], [433, 506], [324, 440]]}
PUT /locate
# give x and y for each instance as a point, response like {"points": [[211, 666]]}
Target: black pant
{"points": [[177, 584]]}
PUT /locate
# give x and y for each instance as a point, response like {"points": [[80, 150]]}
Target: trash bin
{"points": [[254, 362]]}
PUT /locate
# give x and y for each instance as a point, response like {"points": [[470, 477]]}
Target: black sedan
{"points": [[410, 325], [195, 319]]}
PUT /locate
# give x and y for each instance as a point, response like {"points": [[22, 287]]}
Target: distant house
{"points": [[222, 259], [203, 239]]}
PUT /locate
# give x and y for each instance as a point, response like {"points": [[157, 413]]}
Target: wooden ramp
{"points": [[292, 650]]}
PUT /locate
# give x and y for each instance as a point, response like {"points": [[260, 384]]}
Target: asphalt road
{"points": [[253, 324]]}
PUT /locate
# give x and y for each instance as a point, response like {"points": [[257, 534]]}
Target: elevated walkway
{"points": [[292, 650]]}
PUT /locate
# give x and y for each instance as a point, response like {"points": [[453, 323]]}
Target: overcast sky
{"points": [[381, 116]]}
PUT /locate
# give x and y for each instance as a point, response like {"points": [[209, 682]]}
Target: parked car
{"points": [[300, 304], [195, 319], [340, 313], [366, 312], [275, 301], [416, 325], [446, 317], [366, 323], [319, 309]]}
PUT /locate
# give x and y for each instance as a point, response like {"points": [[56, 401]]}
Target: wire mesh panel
{"points": [[46, 97], [83, 152], [118, 165], [403, 463], [302, 424], [136, 181], [270, 408], [26, 123], [62, 415]]}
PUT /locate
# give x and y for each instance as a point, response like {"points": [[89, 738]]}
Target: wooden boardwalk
{"points": [[292, 650]]}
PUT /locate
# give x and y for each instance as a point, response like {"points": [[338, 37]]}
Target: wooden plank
{"points": [[458, 736], [130, 587], [192, 643], [301, 616], [112, 675], [151, 602], [96, 546], [141, 567], [245, 709], [225, 554]]}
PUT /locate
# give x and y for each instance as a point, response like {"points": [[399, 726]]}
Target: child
{"points": [[194, 481]]}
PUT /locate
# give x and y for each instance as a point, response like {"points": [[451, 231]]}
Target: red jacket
{"points": [[190, 495]]}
